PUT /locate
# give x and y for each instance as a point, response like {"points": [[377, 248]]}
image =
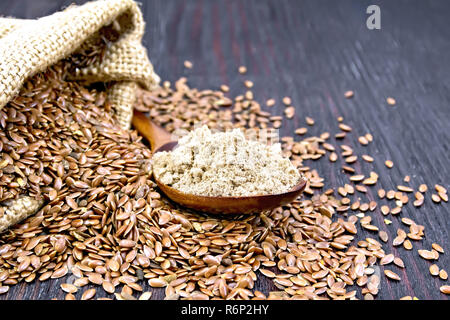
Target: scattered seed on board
{"points": [[88, 294], [437, 247], [434, 270], [445, 289], [69, 288], [108, 286], [426, 254], [351, 159], [392, 275], [398, 241], [287, 101], [301, 131], [405, 188], [349, 94], [4, 289], [399, 262], [383, 236], [440, 189], [289, 112], [309, 121], [385, 210], [270, 102], [70, 296], [391, 101], [363, 141], [145, 295], [436, 198], [157, 283], [389, 163], [242, 69], [387, 259], [333, 157], [267, 273], [248, 83], [407, 244], [344, 127]]}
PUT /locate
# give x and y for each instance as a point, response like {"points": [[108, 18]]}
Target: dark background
{"points": [[314, 51]]}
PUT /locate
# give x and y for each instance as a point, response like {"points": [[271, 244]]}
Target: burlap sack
{"points": [[30, 46]]}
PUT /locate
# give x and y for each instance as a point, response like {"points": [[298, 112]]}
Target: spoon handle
{"points": [[156, 135]]}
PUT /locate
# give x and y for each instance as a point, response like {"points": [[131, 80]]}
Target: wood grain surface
{"points": [[313, 51]]}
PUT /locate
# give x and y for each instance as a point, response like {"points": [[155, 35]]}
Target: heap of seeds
{"points": [[168, 107], [106, 224]]}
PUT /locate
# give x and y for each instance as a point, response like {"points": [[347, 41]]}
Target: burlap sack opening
{"points": [[28, 47]]}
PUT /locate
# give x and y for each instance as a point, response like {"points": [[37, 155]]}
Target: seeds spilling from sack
{"points": [[105, 223]]}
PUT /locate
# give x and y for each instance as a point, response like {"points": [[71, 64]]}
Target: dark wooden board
{"points": [[313, 51]]}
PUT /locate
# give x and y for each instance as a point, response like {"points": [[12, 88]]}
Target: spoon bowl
{"points": [[160, 140]]}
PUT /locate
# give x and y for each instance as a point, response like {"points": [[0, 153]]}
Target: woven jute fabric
{"points": [[31, 46]]}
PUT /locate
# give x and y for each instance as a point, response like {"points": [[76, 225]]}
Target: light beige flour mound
{"points": [[224, 164]]}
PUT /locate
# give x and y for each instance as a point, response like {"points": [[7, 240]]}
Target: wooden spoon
{"points": [[160, 140]]}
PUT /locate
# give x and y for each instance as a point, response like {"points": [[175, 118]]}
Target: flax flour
{"points": [[224, 164]]}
